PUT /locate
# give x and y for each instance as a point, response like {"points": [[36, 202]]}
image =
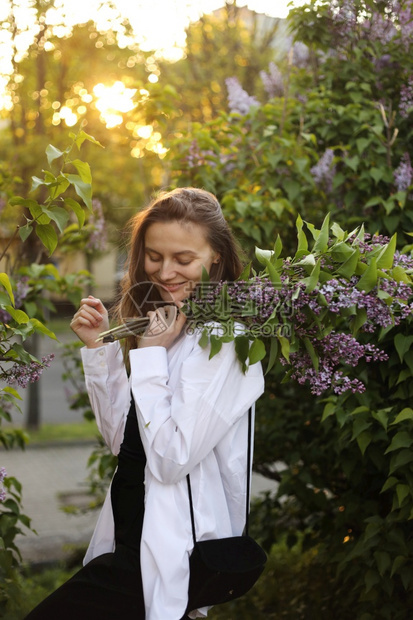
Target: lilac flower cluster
{"points": [[273, 81], [344, 16], [301, 54], [238, 98], [3, 475], [379, 28], [98, 237], [403, 175], [341, 294], [406, 98], [405, 18], [258, 303], [323, 172], [333, 350], [23, 374], [196, 157]]}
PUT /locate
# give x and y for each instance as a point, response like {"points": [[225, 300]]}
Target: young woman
{"points": [[167, 410]]}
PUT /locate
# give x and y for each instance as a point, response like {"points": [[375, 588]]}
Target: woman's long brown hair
{"points": [[185, 205]]}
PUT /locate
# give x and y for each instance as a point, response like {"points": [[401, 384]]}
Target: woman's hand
{"points": [[89, 321], [165, 325]]}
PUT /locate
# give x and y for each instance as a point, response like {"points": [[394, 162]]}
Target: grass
{"points": [[77, 431]]}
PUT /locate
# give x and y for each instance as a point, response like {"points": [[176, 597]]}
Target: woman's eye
{"points": [[181, 262]]}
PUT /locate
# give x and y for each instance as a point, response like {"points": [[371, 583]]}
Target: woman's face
{"points": [[174, 255]]}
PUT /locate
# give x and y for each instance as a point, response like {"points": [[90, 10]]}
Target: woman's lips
{"points": [[172, 287]]}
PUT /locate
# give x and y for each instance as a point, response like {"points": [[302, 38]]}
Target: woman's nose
{"points": [[167, 271]]}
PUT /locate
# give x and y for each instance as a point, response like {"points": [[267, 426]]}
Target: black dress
{"points": [[110, 586]]}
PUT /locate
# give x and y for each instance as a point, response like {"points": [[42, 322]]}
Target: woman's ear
{"points": [[216, 259]]}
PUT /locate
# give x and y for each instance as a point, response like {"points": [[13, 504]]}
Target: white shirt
{"points": [[193, 417]]}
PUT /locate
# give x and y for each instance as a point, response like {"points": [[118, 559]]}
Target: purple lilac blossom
{"points": [[273, 81], [301, 54], [405, 16], [406, 98], [344, 16], [238, 98], [196, 157], [23, 374], [98, 237], [379, 28], [323, 172], [403, 175], [3, 475]]}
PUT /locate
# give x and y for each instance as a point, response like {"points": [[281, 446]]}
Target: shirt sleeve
{"points": [[108, 387], [179, 428]]}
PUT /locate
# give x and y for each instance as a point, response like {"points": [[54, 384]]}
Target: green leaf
{"points": [[77, 210], [263, 256], [39, 327], [216, 345], [23, 202], [369, 278], [245, 273], [383, 561], [5, 282], [399, 274], [390, 482], [53, 153], [25, 232], [397, 564], [348, 268], [18, 315], [58, 215], [364, 440], [204, 340], [285, 346], [400, 459], [273, 355], [242, 346], [359, 320], [403, 491], [47, 236], [311, 352], [81, 137], [83, 190], [36, 182], [312, 280], [337, 231], [402, 344], [274, 275], [301, 237], [376, 174], [386, 256], [278, 247], [257, 351], [321, 244], [401, 440], [405, 414], [83, 169], [12, 391]]}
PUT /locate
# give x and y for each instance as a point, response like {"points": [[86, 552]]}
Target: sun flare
{"points": [[113, 101]]}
